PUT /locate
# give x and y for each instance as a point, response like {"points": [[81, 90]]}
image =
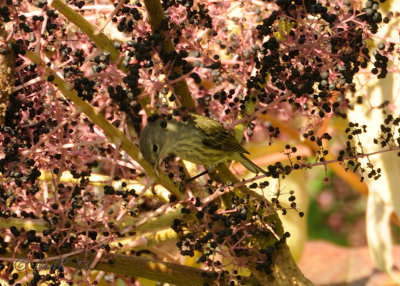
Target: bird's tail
{"points": [[250, 165]]}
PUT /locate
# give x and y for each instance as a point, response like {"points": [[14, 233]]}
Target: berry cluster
{"points": [[230, 229]]}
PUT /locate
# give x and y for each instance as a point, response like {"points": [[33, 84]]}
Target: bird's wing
{"points": [[216, 136]]}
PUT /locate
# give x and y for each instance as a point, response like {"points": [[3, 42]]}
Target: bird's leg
{"points": [[197, 176]]}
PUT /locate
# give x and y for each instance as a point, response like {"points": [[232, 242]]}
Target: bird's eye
{"points": [[155, 148]]}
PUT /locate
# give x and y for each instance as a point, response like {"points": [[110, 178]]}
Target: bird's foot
{"points": [[197, 176]]}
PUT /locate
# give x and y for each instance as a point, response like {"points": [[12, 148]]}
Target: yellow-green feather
{"points": [[216, 136]]}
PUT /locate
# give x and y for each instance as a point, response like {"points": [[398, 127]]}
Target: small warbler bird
{"points": [[199, 139]]}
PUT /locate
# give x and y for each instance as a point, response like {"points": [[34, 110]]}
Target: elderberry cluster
{"points": [[227, 227]]}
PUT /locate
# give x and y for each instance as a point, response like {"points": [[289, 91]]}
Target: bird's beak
{"points": [[155, 167]]}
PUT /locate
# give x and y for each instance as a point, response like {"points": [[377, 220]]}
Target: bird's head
{"points": [[152, 144]]}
